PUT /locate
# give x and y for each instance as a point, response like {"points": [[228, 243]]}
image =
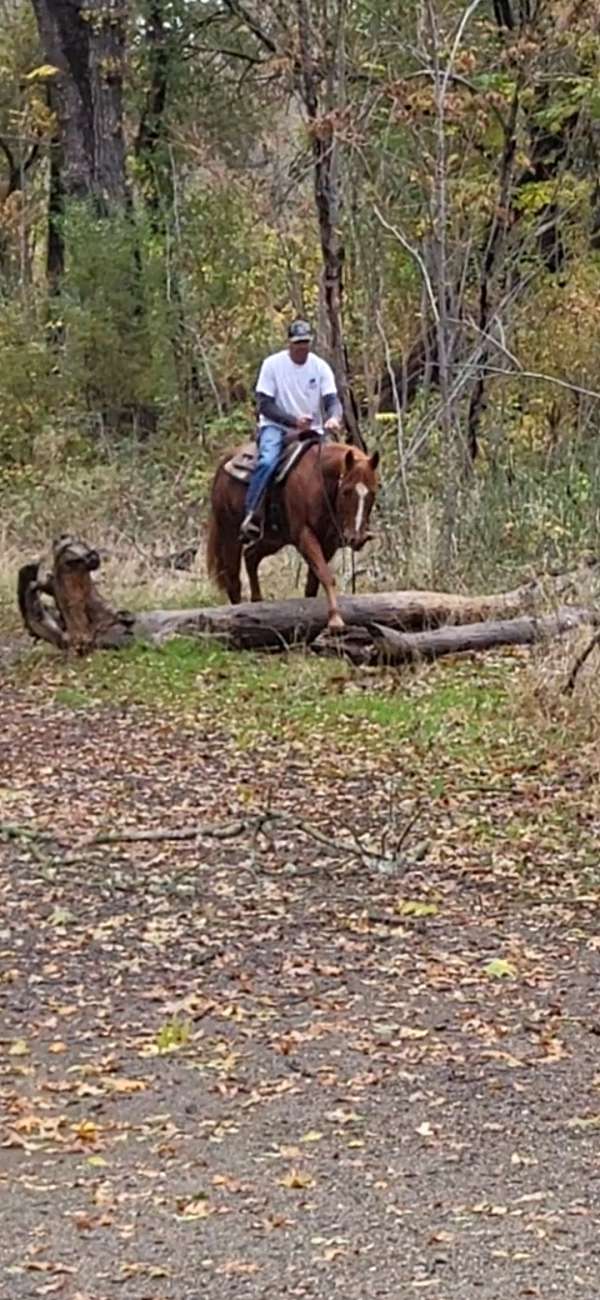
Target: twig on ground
{"points": [[262, 823], [370, 857], [579, 662], [227, 832]]}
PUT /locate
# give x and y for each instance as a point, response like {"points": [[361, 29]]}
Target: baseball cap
{"points": [[299, 332]]}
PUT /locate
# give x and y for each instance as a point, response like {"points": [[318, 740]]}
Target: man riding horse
{"points": [[325, 488], [295, 391]]}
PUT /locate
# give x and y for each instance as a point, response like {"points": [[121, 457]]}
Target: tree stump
{"points": [[76, 617]]}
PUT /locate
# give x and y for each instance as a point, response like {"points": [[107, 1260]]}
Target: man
{"points": [[295, 391]]}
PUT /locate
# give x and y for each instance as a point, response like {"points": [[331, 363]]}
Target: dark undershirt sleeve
{"points": [[268, 407], [332, 406]]}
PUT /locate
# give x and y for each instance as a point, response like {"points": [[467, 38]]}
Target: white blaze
{"points": [[362, 493]]}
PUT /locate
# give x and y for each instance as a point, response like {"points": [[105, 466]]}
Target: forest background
{"points": [[177, 179]]}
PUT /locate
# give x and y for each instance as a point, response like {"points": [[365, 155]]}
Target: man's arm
{"points": [[268, 407]]}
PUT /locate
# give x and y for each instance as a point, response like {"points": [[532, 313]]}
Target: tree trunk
{"points": [[394, 647], [326, 186], [65, 40], [106, 20], [84, 40], [55, 250], [150, 143]]}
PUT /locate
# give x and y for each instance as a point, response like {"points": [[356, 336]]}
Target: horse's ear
{"points": [[374, 460], [349, 460]]}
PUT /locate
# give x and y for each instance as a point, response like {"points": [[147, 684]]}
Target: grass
{"points": [[456, 707], [517, 516]]}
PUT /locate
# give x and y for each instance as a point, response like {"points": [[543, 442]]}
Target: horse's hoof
{"points": [[335, 623]]}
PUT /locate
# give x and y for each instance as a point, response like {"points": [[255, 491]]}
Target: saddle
{"points": [[241, 464]]}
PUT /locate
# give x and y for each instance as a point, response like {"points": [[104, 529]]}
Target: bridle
{"points": [[334, 516]]}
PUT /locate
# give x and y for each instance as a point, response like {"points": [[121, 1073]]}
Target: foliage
{"points": [[111, 305], [165, 309], [30, 396]]}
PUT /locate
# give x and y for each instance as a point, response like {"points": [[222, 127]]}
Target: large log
{"points": [[281, 623]]}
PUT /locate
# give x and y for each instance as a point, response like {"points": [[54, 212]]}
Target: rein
{"points": [[334, 518]]}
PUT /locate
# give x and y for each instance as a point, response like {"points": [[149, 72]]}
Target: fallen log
{"points": [[278, 624], [384, 645]]}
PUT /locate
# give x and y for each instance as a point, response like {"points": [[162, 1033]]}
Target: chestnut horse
{"points": [[325, 501]]}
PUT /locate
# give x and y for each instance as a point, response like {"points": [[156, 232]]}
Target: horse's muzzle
{"points": [[357, 543]]}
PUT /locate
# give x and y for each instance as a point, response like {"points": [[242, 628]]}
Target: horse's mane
{"points": [[333, 454]]}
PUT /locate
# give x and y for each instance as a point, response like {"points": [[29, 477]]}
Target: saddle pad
{"points": [[242, 463]]}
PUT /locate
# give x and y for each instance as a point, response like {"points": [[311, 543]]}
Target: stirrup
{"points": [[250, 531]]}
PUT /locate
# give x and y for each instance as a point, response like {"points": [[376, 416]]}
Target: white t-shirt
{"points": [[298, 390]]}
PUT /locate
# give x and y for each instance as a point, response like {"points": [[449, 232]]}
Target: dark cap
{"points": [[299, 332]]}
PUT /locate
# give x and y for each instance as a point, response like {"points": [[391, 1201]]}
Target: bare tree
{"points": [[85, 41]]}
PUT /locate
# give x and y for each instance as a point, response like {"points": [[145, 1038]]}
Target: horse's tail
{"points": [[214, 557], [216, 541]]}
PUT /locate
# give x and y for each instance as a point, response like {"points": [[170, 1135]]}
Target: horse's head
{"points": [[356, 494]]}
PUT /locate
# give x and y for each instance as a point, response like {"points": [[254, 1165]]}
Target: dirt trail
{"points": [[252, 1068]]}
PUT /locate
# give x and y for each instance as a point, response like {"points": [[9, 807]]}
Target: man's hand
{"points": [[332, 424], [303, 423]]}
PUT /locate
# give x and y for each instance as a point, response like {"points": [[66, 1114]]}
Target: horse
{"points": [[325, 502]]}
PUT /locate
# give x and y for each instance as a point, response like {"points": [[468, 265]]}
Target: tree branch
{"points": [[539, 375], [238, 10], [34, 154], [569, 686], [253, 59]]}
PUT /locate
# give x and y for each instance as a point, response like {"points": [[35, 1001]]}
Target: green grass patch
{"points": [[456, 710]]}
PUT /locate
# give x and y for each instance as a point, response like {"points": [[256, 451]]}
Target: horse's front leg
{"points": [[310, 549], [232, 558], [312, 582]]}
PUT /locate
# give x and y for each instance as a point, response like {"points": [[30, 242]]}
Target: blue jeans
{"points": [[270, 443]]}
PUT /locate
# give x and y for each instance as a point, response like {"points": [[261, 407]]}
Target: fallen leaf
{"points": [[19, 1048], [86, 1130], [125, 1085], [499, 968], [297, 1179]]}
